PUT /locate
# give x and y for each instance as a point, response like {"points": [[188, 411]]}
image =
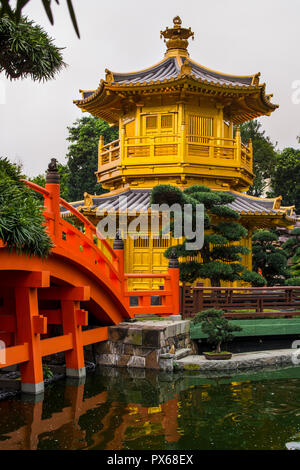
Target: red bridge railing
{"points": [[67, 237]]}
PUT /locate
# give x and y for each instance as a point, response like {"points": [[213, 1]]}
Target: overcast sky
{"points": [[231, 36]]}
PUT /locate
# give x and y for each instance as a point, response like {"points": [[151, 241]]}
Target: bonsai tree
{"points": [[217, 328], [221, 252], [271, 260], [292, 247]]}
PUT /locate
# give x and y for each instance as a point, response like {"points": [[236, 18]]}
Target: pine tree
{"points": [[266, 256], [292, 247], [26, 50], [221, 253], [21, 217]]}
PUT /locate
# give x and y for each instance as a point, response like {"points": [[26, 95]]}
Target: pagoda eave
{"points": [[108, 96]]}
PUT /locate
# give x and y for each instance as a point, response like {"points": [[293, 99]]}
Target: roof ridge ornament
{"points": [[177, 37], [109, 76], [186, 69]]}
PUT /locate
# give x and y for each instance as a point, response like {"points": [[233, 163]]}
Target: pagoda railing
{"points": [[223, 151], [152, 146], [110, 152], [193, 149]]}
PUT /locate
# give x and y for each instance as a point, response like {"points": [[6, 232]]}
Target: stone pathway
{"points": [[241, 361]]}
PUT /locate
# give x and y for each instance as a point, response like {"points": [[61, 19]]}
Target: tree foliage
{"points": [[64, 173], [285, 180], [292, 247], [14, 12], [26, 50], [221, 252], [83, 154], [21, 218], [271, 260], [264, 155], [217, 328]]}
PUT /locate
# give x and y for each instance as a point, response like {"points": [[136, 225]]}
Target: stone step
{"points": [[180, 353]]}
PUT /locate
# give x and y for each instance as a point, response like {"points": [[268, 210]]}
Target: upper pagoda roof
{"points": [[176, 70], [170, 68]]}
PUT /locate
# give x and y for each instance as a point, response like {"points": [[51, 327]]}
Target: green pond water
{"points": [[116, 409]]}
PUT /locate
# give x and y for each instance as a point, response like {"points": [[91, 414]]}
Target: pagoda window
{"points": [[156, 124], [166, 121], [141, 242], [199, 128], [151, 123]]}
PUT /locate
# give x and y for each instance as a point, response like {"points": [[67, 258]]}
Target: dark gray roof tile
{"points": [[139, 199]]}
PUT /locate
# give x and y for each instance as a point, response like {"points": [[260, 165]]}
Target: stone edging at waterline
{"points": [[241, 361]]}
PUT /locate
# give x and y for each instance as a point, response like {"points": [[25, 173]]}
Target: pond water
{"points": [[116, 409]]}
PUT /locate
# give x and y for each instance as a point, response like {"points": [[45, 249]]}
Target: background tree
{"points": [[270, 259], [27, 51], [64, 173], [292, 247], [285, 179], [264, 155], [221, 253], [15, 11], [83, 154], [21, 218]]}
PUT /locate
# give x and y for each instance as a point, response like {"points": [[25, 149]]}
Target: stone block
{"points": [[117, 333], [104, 347], [107, 359], [134, 336], [128, 349], [117, 348], [137, 361], [152, 360], [122, 360], [170, 331], [151, 338]]}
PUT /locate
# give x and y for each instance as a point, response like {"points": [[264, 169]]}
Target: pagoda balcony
{"points": [[171, 153]]}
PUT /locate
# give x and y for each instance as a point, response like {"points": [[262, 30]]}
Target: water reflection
{"points": [[117, 409]]}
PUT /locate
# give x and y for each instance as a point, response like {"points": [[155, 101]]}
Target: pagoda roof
{"points": [[170, 68], [246, 97], [139, 200]]}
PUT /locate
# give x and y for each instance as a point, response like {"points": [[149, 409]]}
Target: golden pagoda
{"points": [[176, 126]]}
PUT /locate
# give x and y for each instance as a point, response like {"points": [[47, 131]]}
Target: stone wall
{"points": [[145, 344]]}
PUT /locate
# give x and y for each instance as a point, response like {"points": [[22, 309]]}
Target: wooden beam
{"points": [[56, 344], [16, 355], [65, 293], [53, 316], [95, 335], [24, 278]]}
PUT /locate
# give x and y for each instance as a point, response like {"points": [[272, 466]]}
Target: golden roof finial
{"points": [[177, 37]]}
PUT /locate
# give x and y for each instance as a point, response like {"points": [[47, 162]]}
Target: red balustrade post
{"points": [[118, 247], [52, 201], [173, 271]]}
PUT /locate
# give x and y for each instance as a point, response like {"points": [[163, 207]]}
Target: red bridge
{"points": [[77, 284]]}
